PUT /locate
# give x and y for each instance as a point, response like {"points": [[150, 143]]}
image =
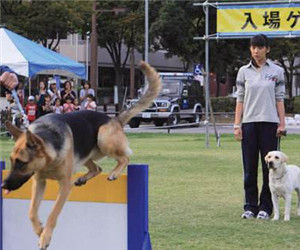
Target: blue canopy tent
{"points": [[28, 58]]}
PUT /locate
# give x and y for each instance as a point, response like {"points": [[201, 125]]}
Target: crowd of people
{"points": [[52, 100]]}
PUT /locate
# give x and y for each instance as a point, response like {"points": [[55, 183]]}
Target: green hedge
{"points": [[227, 104], [292, 105], [223, 104], [289, 105], [296, 106]]}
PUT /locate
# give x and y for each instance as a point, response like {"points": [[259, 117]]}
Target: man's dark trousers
{"points": [[258, 137]]}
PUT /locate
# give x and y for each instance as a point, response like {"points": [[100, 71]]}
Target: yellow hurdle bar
{"points": [[98, 189]]}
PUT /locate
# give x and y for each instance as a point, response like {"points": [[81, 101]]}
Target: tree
{"points": [[120, 26], [226, 57], [45, 21], [285, 52], [174, 30]]}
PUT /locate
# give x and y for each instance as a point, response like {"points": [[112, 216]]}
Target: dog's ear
{"points": [[284, 157], [266, 158], [13, 130], [33, 141]]}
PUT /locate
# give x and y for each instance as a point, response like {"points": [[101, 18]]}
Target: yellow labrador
{"points": [[283, 180]]}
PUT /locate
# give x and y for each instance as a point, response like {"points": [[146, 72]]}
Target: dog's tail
{"points": [[145, 101]]}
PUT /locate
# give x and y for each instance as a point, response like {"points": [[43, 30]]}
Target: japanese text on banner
{"points": [[259, 19]]}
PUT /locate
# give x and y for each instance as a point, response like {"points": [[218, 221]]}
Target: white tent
{"points": [[28, 58]]}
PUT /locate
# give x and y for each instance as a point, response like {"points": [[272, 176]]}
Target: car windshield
{"points": [[170, 88]]}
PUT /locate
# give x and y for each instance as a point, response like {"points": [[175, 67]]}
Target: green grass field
{"points": [[196, 194]]}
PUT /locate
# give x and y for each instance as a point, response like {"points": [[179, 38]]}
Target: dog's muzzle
{"points": [[270, 165], [15, 181]]}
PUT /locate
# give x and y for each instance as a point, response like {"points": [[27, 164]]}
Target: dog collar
{"points": [[284, 173]]}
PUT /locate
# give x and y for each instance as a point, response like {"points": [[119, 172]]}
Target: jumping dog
{"points": [[55, 146]]}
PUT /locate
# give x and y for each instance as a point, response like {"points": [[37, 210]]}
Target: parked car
{"points": [[179, 99]]}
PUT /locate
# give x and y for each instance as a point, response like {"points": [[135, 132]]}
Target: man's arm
{"points": [[281, 115], [240, 85], [279, 96], [237, 121], [8, 78], [238, 113]]}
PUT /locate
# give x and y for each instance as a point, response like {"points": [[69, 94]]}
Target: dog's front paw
{"points": [[286, 218], [37, 226], [111, 178], [44, 240], [275, 218], [38, 229], [80, 181]]}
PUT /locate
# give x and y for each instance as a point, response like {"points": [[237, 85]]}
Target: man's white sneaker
{"points": [[248, 215], [262, 215]]}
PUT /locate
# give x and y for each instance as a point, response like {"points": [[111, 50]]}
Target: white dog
{"points": [[283, 180]]}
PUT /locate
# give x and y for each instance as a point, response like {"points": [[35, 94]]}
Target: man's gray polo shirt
{"points": [[259, 90]]}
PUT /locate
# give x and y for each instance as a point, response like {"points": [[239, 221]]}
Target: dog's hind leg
{"points": [[38, 189], [122, 163], [93, 171], [298, 209], [113, 143]]}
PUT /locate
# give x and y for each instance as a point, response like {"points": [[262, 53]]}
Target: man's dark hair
{"points": [[260, 40]]}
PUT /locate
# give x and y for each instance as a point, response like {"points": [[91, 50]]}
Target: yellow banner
{"points": [[259, 19]]}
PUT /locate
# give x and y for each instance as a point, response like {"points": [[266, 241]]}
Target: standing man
{"points": [[259, 120], [8, 78]]}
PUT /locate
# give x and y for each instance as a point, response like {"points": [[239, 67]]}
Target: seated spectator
{"points": [[31, 109], [90, 103], [46, 107], [68, 105], [84, 92], [68, 92], [77, 106], [40, 96], [53, 92], [57, 108]]}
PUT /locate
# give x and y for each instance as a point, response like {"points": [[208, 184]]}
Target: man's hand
{"points": [[238, 136], [9, 80], [281, 131]]}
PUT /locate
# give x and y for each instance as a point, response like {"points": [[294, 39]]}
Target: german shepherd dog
{"points": [[55, 145]]}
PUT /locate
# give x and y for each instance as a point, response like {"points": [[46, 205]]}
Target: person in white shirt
{"points": [[53, 92], [259, 121], [84, 92]]}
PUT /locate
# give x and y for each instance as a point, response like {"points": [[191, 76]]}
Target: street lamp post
{"points": [[87, 56], [146, 34], [94, 50]]}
